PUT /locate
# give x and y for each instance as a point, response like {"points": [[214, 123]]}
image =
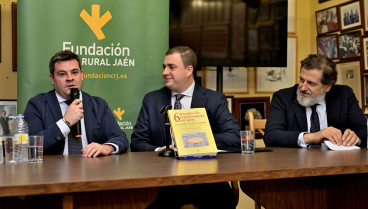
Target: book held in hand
{"points": [[192, 133]]}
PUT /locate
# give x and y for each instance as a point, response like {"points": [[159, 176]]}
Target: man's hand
{"points": [[74, 112], [164, 147], [350, 138], [95, 149], [330, 133]]}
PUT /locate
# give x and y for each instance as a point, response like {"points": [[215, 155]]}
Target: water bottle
{"points": [[21, 136]]}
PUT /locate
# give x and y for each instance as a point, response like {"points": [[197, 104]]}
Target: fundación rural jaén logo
{"points": [[94, 21], [119, 113]]}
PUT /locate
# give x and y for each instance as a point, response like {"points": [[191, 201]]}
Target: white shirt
{"points": [[322, 116], [65, 130], [186, 101]]}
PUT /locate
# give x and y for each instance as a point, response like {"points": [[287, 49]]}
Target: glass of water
{"points": [[12, 150], [247, 141], [35, 149]]}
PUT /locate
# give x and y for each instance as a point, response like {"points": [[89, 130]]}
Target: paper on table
{"points": [[332, 146]]}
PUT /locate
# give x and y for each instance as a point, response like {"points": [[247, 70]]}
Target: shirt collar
{"points": [[62, 99], [188, 92], [322, 103]]}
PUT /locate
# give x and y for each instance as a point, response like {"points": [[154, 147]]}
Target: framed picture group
{"points": [[342, 35]]}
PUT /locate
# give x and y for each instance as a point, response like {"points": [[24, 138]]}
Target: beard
{"points": [[311, 100]]}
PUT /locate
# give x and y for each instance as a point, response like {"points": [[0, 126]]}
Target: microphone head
{"points": [[165, 108], [74, 93]]}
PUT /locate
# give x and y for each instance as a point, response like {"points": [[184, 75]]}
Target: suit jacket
{"points": [[287, 118], [4, 124], [43, 111], [149, 131]]}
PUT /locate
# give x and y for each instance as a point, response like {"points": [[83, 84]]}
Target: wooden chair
{"points": [[259, 125], [256, 124]]}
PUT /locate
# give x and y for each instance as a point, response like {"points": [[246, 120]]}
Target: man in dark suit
{"points": [[51, 115], [316, 110], [149, 131], [4, 122]]}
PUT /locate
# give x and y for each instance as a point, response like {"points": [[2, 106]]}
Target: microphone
{"points": [[167, 152], [74, 94], [165, 108]]}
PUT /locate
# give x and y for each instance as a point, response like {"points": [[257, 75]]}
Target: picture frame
{"points": [[327, 45], [14, 36], [10, 107], [327, 20], [291, 17], [270, 79], [365, 90], [349, 74], [365, 52], [235, 79], [350, 45], [231, 104], [350, 15], [258, 105], [365, 6]]}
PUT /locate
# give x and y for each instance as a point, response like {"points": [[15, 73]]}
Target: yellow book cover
{"points": [[192, 133]]}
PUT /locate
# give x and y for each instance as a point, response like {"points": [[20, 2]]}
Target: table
{"points": [[131, 179]]}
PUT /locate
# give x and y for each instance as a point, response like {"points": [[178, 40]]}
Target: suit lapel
{"points": [[300, 116], [332, 109], [198, 99], [88, 119], [54, 105]]}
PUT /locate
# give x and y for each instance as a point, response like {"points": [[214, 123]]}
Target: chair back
{"points": [[256, 124]]}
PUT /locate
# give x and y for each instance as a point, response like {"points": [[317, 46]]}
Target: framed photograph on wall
{"points": [[291, 16], [327, 45], [8, 108], [365, 6], [327, 20], [349, 74], [350, 45], [365, 52], [231, 104], [271, 79], [258, 105], [235, 79], [350, 15]]}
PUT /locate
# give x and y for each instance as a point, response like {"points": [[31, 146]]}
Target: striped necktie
{"points": [[315, 126]]}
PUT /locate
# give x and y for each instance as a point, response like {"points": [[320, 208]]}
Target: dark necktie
{"points": [[74, 143], [177, 104], [315, 127]]}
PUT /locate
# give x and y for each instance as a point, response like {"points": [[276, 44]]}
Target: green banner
{"points": [[121, 45]]}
